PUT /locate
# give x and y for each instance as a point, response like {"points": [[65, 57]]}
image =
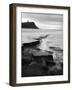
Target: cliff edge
{"points": [[29, 25]]}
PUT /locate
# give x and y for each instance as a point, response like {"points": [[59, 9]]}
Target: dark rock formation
{"points": [[46, 58], [31, 53], [28, 25], [36, 62], [56, 49], [32, 44]]}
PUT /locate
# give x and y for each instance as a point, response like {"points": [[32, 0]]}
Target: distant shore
{"points": [[29, 25]]}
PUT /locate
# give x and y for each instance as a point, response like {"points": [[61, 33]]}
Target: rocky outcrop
{"points": [[31, 44], [29, 25], [36, 62]]}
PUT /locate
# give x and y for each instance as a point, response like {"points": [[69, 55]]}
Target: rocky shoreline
{"points": [[36, 62]]}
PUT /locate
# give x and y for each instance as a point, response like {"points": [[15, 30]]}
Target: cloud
{"points": [[44, 21]]}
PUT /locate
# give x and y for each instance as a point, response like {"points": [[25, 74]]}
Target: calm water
{"points": [[54, 39]]}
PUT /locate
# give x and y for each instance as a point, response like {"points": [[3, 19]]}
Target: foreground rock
{"points": [[36, 62]]}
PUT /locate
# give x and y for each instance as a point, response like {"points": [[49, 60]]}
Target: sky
{"points": [[44, 21]]}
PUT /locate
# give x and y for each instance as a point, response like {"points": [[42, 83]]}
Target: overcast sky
{"points": [[45, 21]]}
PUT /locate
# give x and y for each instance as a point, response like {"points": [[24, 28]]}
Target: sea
{"points": [[54, 39], [53, 42]]}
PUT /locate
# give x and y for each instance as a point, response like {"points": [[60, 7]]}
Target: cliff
{"points": [[28, 25]]}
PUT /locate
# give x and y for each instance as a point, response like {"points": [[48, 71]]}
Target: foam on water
{"points": [[55, 38]]}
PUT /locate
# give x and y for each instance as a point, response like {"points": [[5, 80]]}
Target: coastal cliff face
{"points": [[29, 25]]}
